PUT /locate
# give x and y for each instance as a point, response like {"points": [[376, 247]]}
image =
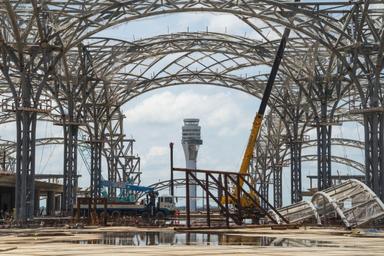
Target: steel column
{"points": [[264, 187], [226, 192], [187, 202], [295, 150], [324, 136], [171, 162], [277, 187], [25, 164], [374, 151], [70, 168], [207, 199], [96, 148]]}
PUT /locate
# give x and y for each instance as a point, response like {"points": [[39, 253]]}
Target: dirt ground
{"points": [[303, 241]]}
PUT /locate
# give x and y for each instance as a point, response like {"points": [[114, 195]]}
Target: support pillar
{"points": [[58, 199], [50, 203], [296, 187], [277, 187], [372, 94], [114, 140], [112, 171], [374, 151], [37, 203], [295, 144], [324, 135], [70, 168], [295, 150], [25, 163], [96, 148], [264, 187], [324, 171]]}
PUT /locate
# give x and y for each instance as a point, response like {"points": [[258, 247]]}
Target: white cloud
{"points": [[157, 151], [217, 110], [155, 119]]}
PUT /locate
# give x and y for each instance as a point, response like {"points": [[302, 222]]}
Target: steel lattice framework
{"points": [[55, 68]]}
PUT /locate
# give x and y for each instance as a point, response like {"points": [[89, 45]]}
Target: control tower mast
{"points": [[191, 141]]}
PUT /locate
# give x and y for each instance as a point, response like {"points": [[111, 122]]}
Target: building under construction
{"points": [[315, 65]]}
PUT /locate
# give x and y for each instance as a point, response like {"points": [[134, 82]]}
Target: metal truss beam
{"points": [[343, 142], [337, 159], [41, 44]]}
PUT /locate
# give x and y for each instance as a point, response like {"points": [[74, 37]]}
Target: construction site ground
{"points": [[61, 241]]}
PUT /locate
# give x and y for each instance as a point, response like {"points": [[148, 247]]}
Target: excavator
{"points": [[246, 202]]}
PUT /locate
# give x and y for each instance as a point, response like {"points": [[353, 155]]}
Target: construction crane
{"points": [[246, 202]]}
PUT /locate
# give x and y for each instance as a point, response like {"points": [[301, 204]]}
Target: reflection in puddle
{"points": [[171, 238]]}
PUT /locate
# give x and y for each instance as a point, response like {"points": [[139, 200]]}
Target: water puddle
{"points": [[171, 238]]}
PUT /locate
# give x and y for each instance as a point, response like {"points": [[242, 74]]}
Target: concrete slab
{"points": [[53, 241]]}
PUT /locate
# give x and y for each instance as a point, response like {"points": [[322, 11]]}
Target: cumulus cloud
{"points": [[155, 119], [157, 151], [217, 110]]}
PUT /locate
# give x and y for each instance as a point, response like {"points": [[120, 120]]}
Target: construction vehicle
{"points": [[149, 209], [246, 202]]}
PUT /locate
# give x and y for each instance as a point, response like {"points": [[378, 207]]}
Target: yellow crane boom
{"points": [[263, 105], [244, 167], [248, 154]]}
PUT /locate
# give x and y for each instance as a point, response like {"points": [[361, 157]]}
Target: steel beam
{"points": [[70, 168], [277, 187], [374, 152], [324, 143], [96, 149], [25, 164], [295, 145]]}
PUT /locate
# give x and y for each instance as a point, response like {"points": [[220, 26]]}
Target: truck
{"points": [[153, 209]]}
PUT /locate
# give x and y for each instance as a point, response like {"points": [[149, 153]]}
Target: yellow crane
{"points": [[246, 202]]}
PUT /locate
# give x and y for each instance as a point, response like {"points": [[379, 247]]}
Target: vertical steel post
{"points": [[37, 202], [374, 151], [25, 163], [187, 203], [226, 200], [70, 167], [219, 190], [324, 133], [207, 199], [171, 162], [277, 187], [3, 163], [105, 211], [78, 210], [295, 142], [238, 197]]}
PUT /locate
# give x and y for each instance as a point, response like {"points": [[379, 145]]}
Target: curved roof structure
{"points": [[54, 67], [352, 203]]}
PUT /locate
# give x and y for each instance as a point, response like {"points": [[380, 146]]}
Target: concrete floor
{"points": [[51, 241]]}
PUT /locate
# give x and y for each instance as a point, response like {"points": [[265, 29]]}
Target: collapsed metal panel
{"points": [[351, 202], [301, 212]]}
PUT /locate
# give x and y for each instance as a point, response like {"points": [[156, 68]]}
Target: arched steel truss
{"points": [[353, 201], [334, 56], [337, 159]]}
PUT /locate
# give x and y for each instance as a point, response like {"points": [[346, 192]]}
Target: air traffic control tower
{"points": [[191, 141]]}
